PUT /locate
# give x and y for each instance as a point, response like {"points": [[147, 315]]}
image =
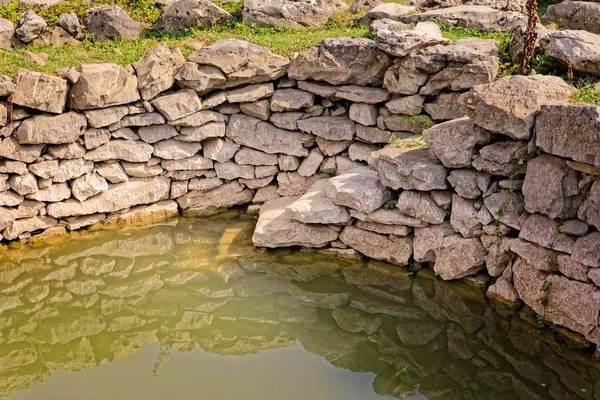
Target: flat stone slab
{"points": [[580, 50], [275, 228], [314, 207], [400, 39], [359, 189]]}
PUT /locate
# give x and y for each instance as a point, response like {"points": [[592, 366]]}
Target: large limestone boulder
{"points": [[259, 135], [314, 207], [477, 17], [359, 189], [118, 197], [275, 228], [184, 14], [577, 15], [219, 199], [48, 129], [455, 257], [111, 23], [40, 91], [29, 26], [241, 62], [551, 188], [393, 249], [156, 70], [454, 142], [103, 85], [508, 106], [409, 169], [400, 39], [579, 50], [286, 13], [557, 134], [340, 61]]}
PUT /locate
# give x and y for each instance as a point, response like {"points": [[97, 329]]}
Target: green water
{"points": [[190, 310]]}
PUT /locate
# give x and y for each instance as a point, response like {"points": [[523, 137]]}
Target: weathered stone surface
{"points": [[216, 200], [172, 149], [178, 105], [395, 250], [260, 109], [103, 85], [454, 142], [543, 231], [113, 172], [201, 78], [27, 225], [420, 206], [141, 170], [248, 156], [95, 138], [230, 171], [29, 26], [341, 61], [536, 256], [400, 39], [291, 99], [156, 70], [579, 50], [557, 134], [286, 13], [386, 11], [310, 165], [550, 187], [576, 15], [23, 184], [477, 17], [220, 150], [359, 189], [293, 184], [42, 129], [314, 207], [468, 183], [126, 150], [120, 196], [508, 106], [501, 158], [498, 256], [590, 208], [362, 94], [330, 128], [12, 150], [241, 62], [275, 228], [508, 208], [407, 105], [111, 23], [71, 169], [455, 257], [372, 135], [365, 114], [445, 107], [70, 23], [88, 185], [40, 91], [463, 217], [7, 34], [184, 14], [252, 132], [503, 292], [586, 250], [409, 168]]}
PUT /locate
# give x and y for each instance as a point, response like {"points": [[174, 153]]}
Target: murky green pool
{"points": [[190, 310]]}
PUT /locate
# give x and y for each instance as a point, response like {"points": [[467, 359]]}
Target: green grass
{"points": [[586, 93], [459, 32]]}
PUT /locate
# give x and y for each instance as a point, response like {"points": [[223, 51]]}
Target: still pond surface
{"points": [[188, 309]]}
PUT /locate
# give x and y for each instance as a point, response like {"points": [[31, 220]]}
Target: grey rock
{"points": [[578, 49], [40, 91], [421, 206], [393, 249], [501, 158], [409, 169], [388, 217], [230, 171], [550, 187], [508, 208], [29, 26], [586, 250], [241, 62], [574, 227], [476, 17], [330, 128], [341, 61], [260, 109], [155, 133], [126, 150], [88, 185], [178, 105], [503, 292], [103, 85], [94, 138], [576, 15], [293, 184], [70, 23], [216, 200], [463, 217], [201, 78], [248, 156], [508, 106], [407, 105], [359, 189], [156, 70], [184, 14], [275, 228], [111, 23], [113, 172], [445, 107], [310, 165], [7, 35], [386, 11], [172, 149], [543, 231], [468, 183], [47, 129], [400, 39], [314, 207], [362, 94], [291, 100], [454, 142], [286, 13]]}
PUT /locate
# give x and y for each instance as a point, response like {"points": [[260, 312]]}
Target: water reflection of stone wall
{"points": [[184, 284]]}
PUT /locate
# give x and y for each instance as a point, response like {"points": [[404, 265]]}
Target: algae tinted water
{"points": [[190, 310]]}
